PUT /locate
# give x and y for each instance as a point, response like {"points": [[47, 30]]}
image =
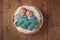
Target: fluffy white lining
{"points": [[36, 13]]}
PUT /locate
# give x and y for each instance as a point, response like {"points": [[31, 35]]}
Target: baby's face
{"points": [[29, 13], [23, 11]]}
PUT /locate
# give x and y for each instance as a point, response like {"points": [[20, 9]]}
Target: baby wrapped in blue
{"points": [[21, 21], [32, 20]]}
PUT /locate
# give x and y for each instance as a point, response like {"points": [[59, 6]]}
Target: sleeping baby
{"points": [[21, 18], [32, 20]]}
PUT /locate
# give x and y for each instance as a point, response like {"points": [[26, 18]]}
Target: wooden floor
{"points": [[51, 26]]}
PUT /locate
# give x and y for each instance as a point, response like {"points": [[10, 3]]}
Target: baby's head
{"points": [[29, 13], [23, 11]]}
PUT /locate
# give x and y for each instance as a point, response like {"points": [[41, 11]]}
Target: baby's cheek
{"points": [[28, 15]]}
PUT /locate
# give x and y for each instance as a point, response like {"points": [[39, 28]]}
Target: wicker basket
{"points": [[37, 13]]}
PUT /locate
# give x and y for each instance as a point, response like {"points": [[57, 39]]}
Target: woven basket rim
{"points": [[39, 25]]}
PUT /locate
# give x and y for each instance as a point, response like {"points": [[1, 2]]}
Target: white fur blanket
{"points": [[36, 13]]}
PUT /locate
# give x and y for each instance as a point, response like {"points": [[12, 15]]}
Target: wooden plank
{"points": [[26, 2], [54, 20], [1, 19]]}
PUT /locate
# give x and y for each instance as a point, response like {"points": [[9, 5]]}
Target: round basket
{"points": [[38, 15]]}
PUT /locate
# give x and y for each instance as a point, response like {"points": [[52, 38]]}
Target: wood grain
{"points": [[51, 26], [1, 19], [10, 33], [54, 20]]}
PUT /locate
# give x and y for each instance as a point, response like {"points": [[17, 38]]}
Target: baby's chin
{"points": [[29, 16]]}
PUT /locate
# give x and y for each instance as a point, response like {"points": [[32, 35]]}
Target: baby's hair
{"points": [[30, 11], [23, 8]]}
